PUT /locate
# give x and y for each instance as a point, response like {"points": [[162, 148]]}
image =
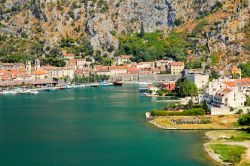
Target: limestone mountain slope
{"points": [[101, 22]]}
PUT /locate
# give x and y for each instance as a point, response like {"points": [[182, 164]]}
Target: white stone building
{"points": [[200, 80], [229, 97]]}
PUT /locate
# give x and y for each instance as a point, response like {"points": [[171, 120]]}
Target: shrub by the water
{"points": [[244, 119]]}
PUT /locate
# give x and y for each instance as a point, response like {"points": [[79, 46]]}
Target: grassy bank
{"points": [[229, 153], [229, 147]]}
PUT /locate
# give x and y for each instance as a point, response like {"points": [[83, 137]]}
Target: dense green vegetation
{"points": [[213, 75], [19, 50], [189, 112], [90, 79], [245, 69], [244, 119], [228, 153], [179, 21], [14, 50], [185, 87], [154, 46], [195, 64], [80, 47], [247, 103]]}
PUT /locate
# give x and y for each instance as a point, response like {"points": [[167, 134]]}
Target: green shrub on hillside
{"points": [[245, 69], [154, 46]]}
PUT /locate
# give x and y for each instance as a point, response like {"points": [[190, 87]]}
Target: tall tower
{"points": [[28, 66], [37, 64]]}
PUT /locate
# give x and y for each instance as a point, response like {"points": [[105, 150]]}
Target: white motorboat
{"points": [[9, 92]]}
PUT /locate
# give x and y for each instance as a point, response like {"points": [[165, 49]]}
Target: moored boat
{"points": [[9, 92], [117, 83]]}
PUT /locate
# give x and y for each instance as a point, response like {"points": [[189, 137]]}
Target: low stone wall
{"points": [[145, 78], [226, 110]]}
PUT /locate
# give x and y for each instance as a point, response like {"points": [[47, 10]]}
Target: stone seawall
{"points": [[146, 78]]}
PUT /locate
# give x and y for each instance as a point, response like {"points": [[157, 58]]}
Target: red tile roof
{"points": [[230, 83], [124, 56], [40, 72], [224, 92], [243, 81], [235, 68], [132, 70], [117, 67], [67, 55], [177, 63]]}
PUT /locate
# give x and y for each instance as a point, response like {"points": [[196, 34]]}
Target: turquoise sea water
{"points": [[102, 126]]}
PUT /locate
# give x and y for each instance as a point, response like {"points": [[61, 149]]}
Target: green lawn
{"points": [[241, 136], [228, 153]]}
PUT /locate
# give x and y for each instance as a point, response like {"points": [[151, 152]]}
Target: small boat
{"points": [[33, 92], [143, 90], [117, 83], [95, 85], [68, 86], [9, 92], [144, 83], [104, 83], [61, 87]]}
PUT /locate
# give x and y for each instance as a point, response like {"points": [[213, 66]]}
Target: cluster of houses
{"points": [[18, 72], [225, 95], [123, 65]]}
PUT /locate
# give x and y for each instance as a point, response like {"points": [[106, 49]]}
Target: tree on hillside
{"points": [[214, 74], [245, 69], [205, 107], [185, 88], [142, 33]]}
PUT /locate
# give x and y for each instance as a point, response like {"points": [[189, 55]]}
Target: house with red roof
{"points": [[40, 74], [244, 85], [162, 64], [68, 56], [123, 59], [169, 86], [235, 71], [229, 97], [176, 67], [145, 65]]}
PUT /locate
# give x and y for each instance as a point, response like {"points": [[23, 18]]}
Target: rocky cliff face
{"points": [[103, 21]]}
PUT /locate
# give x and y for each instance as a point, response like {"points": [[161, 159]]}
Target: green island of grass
{"points": [[229, 153]]}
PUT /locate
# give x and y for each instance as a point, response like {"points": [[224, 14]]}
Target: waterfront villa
{"points": [[169, 86], [227, 93], [59, 72], [39, 74], [229, 97]]}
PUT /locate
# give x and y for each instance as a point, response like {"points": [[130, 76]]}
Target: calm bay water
{"points": [[90, 127]]}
